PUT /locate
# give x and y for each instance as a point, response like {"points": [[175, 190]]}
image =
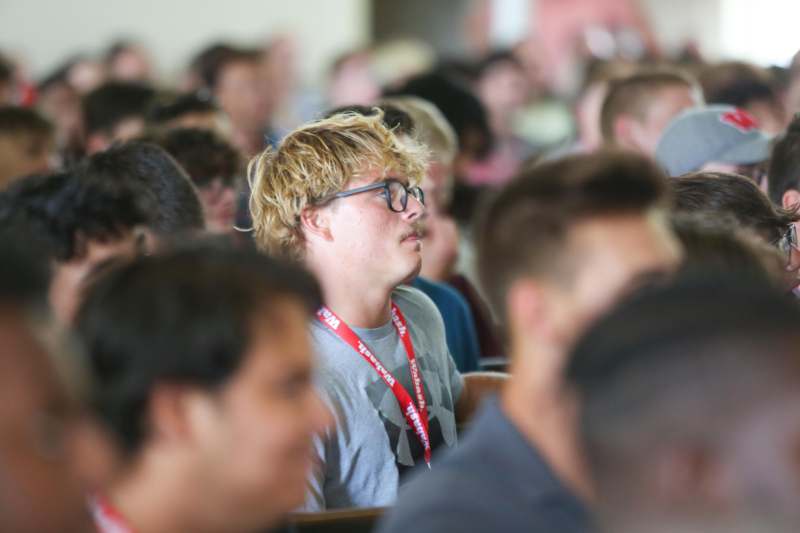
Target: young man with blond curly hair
{"points": [[341, 195]]}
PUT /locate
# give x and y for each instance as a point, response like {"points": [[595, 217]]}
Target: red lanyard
{"points": [[106, 518], [416, 414]]}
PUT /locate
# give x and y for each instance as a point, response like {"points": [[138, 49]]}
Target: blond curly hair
{"points": [[318, 159]]}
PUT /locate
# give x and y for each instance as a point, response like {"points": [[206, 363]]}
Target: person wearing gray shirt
{"points": [[360, 462], [341, 195]]}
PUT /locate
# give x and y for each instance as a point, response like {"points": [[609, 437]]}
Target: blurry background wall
{"points": [[44, 32]]}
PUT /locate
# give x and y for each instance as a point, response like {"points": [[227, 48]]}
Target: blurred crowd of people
{"points": [[438, 291]]}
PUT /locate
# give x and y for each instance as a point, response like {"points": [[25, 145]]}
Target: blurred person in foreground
{"points": [[691, 412], [203, 366], [49, 452], [557, 247]]}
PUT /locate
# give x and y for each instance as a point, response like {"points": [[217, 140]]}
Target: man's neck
{"points": [[152, 499], [357, 300], [547, 420]]}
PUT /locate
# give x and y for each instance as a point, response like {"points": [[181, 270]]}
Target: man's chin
{"points": [[413, 273]]}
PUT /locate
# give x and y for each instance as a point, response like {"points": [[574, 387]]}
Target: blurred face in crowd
{"points": [[42, 489], [131, 64], [253, 436], [61, 104], [238, 93], [23, 155], [503, 87], [219, 204], [353, 83], [70, 277]]}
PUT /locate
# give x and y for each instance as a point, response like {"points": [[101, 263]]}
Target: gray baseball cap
{"points": [[715, 133]]}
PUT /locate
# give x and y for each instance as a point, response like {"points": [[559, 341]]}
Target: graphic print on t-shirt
{"points": [[402, 438]]}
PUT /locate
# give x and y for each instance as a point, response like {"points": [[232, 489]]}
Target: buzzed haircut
{"points": [[108, 105], [633, 95], [784, 166], [154, 175], [734, 198], [523, 229], [183, 318]]}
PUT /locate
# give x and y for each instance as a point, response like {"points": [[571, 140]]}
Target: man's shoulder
{"points": [[412, 297], [429, 503]]}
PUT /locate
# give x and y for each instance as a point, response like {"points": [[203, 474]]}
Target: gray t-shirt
{"points": [[361, 460]]}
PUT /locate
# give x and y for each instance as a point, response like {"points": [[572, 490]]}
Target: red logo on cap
{"points": [[740, 119]]}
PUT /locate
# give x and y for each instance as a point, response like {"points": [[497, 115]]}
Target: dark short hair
{"points": [[523, 229], [634, 94], [61, 212], [111, 103], [734, 197], [738, 84], [710, 244], [203, 154], [212, 60], [185, 317], [168, 107], [459, 105], [670, 363], [17, 121], [784, 166], [153, 174]]}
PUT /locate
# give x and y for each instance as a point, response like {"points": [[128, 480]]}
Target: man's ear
{"points": [[169, 413], [790, 199], [315, 221]]}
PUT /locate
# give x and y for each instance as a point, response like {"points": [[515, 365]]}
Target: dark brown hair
{"points": [[523, 229]]}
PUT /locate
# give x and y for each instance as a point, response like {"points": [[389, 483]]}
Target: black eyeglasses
{"points": [[394, 191]]}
